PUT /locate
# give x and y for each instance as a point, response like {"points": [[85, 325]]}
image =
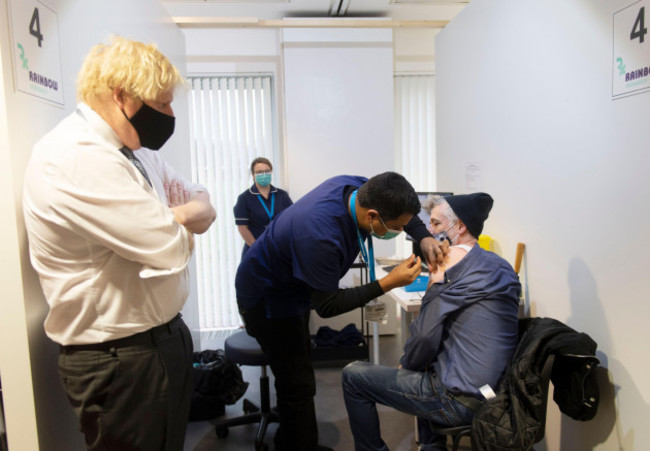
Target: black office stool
{"points": [[243, 349]]}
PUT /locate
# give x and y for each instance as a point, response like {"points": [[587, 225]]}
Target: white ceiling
{"points": [[278, 9]]}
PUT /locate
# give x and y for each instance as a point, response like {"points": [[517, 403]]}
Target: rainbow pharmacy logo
{"points": [[37, 78], [633, 77], [22, 57], [621, 66], [637, 74]]}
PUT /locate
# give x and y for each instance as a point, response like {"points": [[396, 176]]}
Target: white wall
{"points": [[339, 104], [37, 413], [524, 88]]}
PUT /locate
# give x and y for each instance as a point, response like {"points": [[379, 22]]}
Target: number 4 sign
{"points": [[36, 52], [35, 27], [631, 57]]}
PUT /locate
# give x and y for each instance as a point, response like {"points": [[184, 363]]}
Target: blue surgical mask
{"points": [[263, 179], [390, 233]]}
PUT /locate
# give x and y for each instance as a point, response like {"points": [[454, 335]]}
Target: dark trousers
{"points": [[132, 393], [287, 345]]}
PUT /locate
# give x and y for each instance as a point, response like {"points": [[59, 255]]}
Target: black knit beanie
{"points": [[472, 209]]}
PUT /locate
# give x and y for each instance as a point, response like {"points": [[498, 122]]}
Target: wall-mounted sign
{"points": [[473, 175], [631, 57], [36, 51]]}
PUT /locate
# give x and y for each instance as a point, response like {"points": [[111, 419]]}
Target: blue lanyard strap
{"points": [[369, 255], [269, 213]]}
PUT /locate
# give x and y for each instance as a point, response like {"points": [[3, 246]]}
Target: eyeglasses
{"points": [[261, 172]]}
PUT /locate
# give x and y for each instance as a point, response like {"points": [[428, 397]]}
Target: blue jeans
{"points": [[412, 392]]}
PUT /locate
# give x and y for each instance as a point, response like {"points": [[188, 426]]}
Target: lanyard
{"points": [[370, 262], [269, 213]]}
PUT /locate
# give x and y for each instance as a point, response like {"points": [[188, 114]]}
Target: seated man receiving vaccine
{"points": [[461, 341]]}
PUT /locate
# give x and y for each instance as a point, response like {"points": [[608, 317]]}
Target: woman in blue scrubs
{"points": [[258, 205]]}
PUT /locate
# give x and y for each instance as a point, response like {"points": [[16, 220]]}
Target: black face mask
{"points": [[153, 127]]}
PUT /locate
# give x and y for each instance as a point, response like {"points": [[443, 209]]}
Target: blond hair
{"points": [[141, 70]]}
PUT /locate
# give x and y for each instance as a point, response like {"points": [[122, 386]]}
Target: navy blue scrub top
{"points": [[250, 212], [313, 243]]}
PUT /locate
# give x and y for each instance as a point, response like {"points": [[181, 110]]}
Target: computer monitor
{"points": [[424, 217]]}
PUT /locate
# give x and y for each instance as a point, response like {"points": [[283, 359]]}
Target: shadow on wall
{"points": [[587, 312], [56, 421], [606, 427]]}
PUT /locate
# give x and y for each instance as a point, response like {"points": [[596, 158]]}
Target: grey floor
{"points": [[334, 431]]}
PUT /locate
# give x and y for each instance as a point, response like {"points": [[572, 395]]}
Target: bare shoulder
{"points": [[455, 255]]}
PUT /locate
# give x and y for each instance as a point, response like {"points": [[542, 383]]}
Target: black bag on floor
{"points": [[217, 382]]}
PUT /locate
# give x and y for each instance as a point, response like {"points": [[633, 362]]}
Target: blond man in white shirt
{"points": [[110, 227]]}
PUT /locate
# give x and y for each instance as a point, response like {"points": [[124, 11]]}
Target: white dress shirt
{"points": [[111, 259]]}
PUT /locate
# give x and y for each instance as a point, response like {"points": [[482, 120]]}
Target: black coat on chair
{"points": [[516, 418]]}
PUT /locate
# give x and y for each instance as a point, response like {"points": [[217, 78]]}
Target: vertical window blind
{"points": [[415, 135], [232, 121]]}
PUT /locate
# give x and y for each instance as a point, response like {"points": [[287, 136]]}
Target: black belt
{"points": [[148, 337], [469, 401]]}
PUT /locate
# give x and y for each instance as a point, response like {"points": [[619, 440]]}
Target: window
{"points": [[232, 121]]}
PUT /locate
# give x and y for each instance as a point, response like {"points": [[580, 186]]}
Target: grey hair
{"points": [[433, 201]]}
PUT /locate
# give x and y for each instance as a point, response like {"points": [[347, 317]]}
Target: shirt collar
{"points": [[253, 189], [99, 125]]}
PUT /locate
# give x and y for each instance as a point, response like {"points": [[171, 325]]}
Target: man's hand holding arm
{"points": [[195, 212], [434, 251]]}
